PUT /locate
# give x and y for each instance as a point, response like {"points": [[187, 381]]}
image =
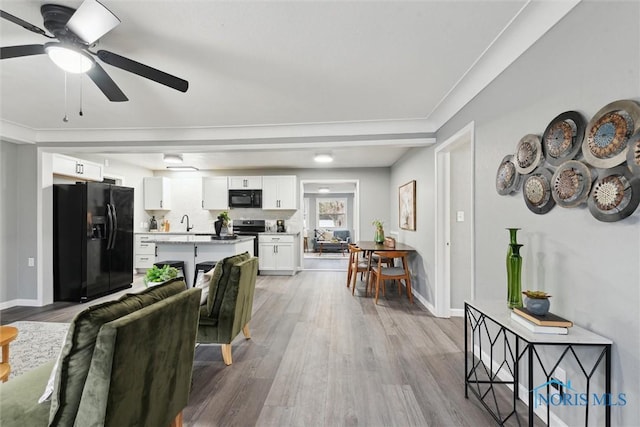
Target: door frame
{"points": [[356, 208], [442, 298]]}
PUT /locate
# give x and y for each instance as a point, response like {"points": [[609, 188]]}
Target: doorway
{"points": [[455, 241], [330, 210]]}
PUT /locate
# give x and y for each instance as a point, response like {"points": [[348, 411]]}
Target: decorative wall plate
{"points": [[536, 189], [571, 183], [608, 132], [615, 196], [528, 154], [633, 154], [562, 139], [507, 177]]}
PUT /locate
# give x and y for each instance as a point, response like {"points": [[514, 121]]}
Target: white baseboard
{"points": [[523, 393], [456, 312], [20, 302], [424, 302]]}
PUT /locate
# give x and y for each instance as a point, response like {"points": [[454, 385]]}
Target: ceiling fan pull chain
{"points": [[65, 118], [80, 112]]}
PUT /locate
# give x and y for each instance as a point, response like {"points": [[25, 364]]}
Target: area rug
{"points": [[37, 343]]}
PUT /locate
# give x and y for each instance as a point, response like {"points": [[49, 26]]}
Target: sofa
{"points": [[330, 240], [229, 303], [125, 362]]}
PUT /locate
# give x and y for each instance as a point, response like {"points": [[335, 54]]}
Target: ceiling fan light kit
{"points": [[69, 59], [76, 32]]}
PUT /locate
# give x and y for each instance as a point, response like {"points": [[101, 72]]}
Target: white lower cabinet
{"points": [[145, 251], [276, 254]]}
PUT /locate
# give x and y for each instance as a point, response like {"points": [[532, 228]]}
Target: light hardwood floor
{"points": [[322, 357]]}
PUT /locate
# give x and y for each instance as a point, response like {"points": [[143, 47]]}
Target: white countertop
{"points": [[207, 240], [275, 233]]}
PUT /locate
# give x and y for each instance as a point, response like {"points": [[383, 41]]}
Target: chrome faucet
{"points": [[182, 220]]}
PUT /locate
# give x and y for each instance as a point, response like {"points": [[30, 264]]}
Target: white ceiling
{"points": [[271, 82]]}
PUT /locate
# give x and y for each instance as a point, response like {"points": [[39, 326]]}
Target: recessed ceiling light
{"points": [[173, 158], [183, 168], [323, 190], [323, 158]]}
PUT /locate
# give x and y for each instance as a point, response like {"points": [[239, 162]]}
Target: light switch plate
{"points": [[31, 262], [460, 216]]}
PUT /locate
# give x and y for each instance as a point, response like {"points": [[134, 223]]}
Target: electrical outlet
{"points": [[460, 216], [31, 262]]}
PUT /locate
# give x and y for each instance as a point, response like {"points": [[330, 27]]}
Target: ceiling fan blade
{"points": [[143, 70], [23, 50], [23, 23], [106, 84], [92, 20]]}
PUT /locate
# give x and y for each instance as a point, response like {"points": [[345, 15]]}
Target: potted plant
{"points": [[156, 275], [378, 237], [222, 221], [537, 302]]}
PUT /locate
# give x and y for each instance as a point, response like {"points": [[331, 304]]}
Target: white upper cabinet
{"points": [[279, 192], [245, 182], [157, 193], [214, 193], [76, 168]]}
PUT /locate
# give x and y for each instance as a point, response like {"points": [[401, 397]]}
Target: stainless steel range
{"points": [[250, 227]]}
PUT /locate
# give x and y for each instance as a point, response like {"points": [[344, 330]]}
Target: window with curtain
{"points": [[331, 213]]}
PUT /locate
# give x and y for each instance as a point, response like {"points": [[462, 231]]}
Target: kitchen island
{"points": [[195, 249]]}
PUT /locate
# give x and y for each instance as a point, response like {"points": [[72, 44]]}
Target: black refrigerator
{"points": [[93, 240]]}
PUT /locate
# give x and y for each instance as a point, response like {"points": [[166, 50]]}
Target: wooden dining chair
{"points": [[357, 264], [380, 273]]}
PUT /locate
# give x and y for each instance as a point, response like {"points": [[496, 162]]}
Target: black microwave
{"points": [[245, 198]]}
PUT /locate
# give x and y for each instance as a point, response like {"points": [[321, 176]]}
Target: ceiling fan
{"points": [[76, 32]]}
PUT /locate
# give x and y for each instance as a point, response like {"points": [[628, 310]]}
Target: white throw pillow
{"points": [[203, 283], [48, 390]]}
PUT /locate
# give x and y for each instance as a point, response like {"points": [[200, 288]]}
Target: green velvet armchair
{"points": [[229, 303], [125, 362]]}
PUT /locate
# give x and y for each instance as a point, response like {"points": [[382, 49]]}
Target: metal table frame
{"points": [[479, 315]]}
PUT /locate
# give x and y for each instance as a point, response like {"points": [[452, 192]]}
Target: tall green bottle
{"points": [[514, 277]]}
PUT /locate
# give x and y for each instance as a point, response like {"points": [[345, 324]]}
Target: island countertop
{"points": [[207, 240]]}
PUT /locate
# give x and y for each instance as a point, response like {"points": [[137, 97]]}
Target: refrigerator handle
{"points": [[110, 223], [114, 232]]}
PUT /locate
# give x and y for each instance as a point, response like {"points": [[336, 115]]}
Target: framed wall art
{"points": [[407, 206]]}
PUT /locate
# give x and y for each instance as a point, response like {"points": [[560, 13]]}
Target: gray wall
{"points": [[591, 268], [17, 221]]}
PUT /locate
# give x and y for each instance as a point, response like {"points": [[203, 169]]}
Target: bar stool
{"points": [[201, 268], [392, 273], [177, 264]]}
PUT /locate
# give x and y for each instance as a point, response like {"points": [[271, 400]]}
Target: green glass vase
{"points": [[514, 276], [379, 236]]}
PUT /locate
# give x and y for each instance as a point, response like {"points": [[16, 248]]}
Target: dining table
{"points": [[369, 247]]}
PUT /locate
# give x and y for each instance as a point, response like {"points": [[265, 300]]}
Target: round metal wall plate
{"points": [[605, 144], [615, 195], [633, 154], [536, 189], [507, 177], [571, 183], [528, 154], [562, 139]]}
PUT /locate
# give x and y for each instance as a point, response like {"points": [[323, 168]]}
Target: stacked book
{"points": [[547, 324]]}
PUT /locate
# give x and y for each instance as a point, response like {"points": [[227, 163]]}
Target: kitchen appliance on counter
{"points": [[280, 227], [249, 227], [245, 198], [92, 240]]}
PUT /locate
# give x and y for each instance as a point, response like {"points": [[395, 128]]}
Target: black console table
{"points": [[505, 345]]}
